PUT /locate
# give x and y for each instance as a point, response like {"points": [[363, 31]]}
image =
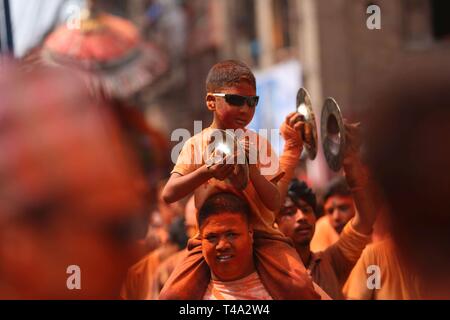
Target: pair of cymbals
{"points": [[225, 147], [332, 129]]}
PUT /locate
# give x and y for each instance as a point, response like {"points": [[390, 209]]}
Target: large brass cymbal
{"points": [[304, 107], [333, 134]]}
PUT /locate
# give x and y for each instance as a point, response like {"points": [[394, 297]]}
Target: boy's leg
{"points": [[191, 277], [281, 270]]}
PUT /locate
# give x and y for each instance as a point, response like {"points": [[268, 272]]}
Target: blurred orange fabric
{"points": [[324, 236]]}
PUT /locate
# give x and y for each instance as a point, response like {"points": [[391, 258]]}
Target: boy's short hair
{"points": [[229, 73], [299, 190], [223, 202], [337, 187]]}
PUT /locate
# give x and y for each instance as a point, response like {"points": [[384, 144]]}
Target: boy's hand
{"points": [[251, 151], [295, 131], [221, 171]]}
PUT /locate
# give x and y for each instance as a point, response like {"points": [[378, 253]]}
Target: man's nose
{"points": [[336, 215], [223, 244], [300, 216]]}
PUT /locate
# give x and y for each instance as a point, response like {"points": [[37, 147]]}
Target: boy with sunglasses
{"points": [[231, 96]]}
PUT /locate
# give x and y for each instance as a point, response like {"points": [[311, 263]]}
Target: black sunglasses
{"points": [[238, 100]]}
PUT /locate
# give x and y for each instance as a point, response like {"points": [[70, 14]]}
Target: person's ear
{"points": [[250, 232], [210, 102]]}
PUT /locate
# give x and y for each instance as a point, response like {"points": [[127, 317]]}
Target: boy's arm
{"points": [[180, 186], [290, 130], [267, 191]]}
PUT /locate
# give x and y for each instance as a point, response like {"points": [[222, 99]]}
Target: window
{"points": [[440, 11], [281, 24]]}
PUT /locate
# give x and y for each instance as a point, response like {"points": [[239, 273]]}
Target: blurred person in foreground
{"points": [[70, 192], [410, 160]]}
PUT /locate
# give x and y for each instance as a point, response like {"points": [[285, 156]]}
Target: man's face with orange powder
{"points": [[227, 244], [340, 209], [297, 222], [227, 116]]}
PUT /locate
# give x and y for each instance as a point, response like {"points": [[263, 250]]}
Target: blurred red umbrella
{"points": [[108, 51]]}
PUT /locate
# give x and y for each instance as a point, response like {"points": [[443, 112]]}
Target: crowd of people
{"points": [[73, 191]]}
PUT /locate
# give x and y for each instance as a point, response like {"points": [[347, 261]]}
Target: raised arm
{"points": [[290, 131], [357, 177]]}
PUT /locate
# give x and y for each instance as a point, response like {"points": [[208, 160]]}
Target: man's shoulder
{"points": [[378, 249], [149, 261]]}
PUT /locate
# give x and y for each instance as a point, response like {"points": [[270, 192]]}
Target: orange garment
{"points": [[248, 288], [324, 236], [140, 281], [396, 281], [331, 267], [191, 158], [166, 268], [323, 295]]}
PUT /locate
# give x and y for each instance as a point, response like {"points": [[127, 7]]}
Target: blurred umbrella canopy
{"points": [[108, 51]]}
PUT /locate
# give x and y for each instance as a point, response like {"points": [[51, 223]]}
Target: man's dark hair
{"points": [[223, 202], [229, 73], [337, 187], [299, 190]]}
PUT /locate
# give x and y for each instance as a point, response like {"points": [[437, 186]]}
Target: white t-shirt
{"points": [[248, 288]]}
